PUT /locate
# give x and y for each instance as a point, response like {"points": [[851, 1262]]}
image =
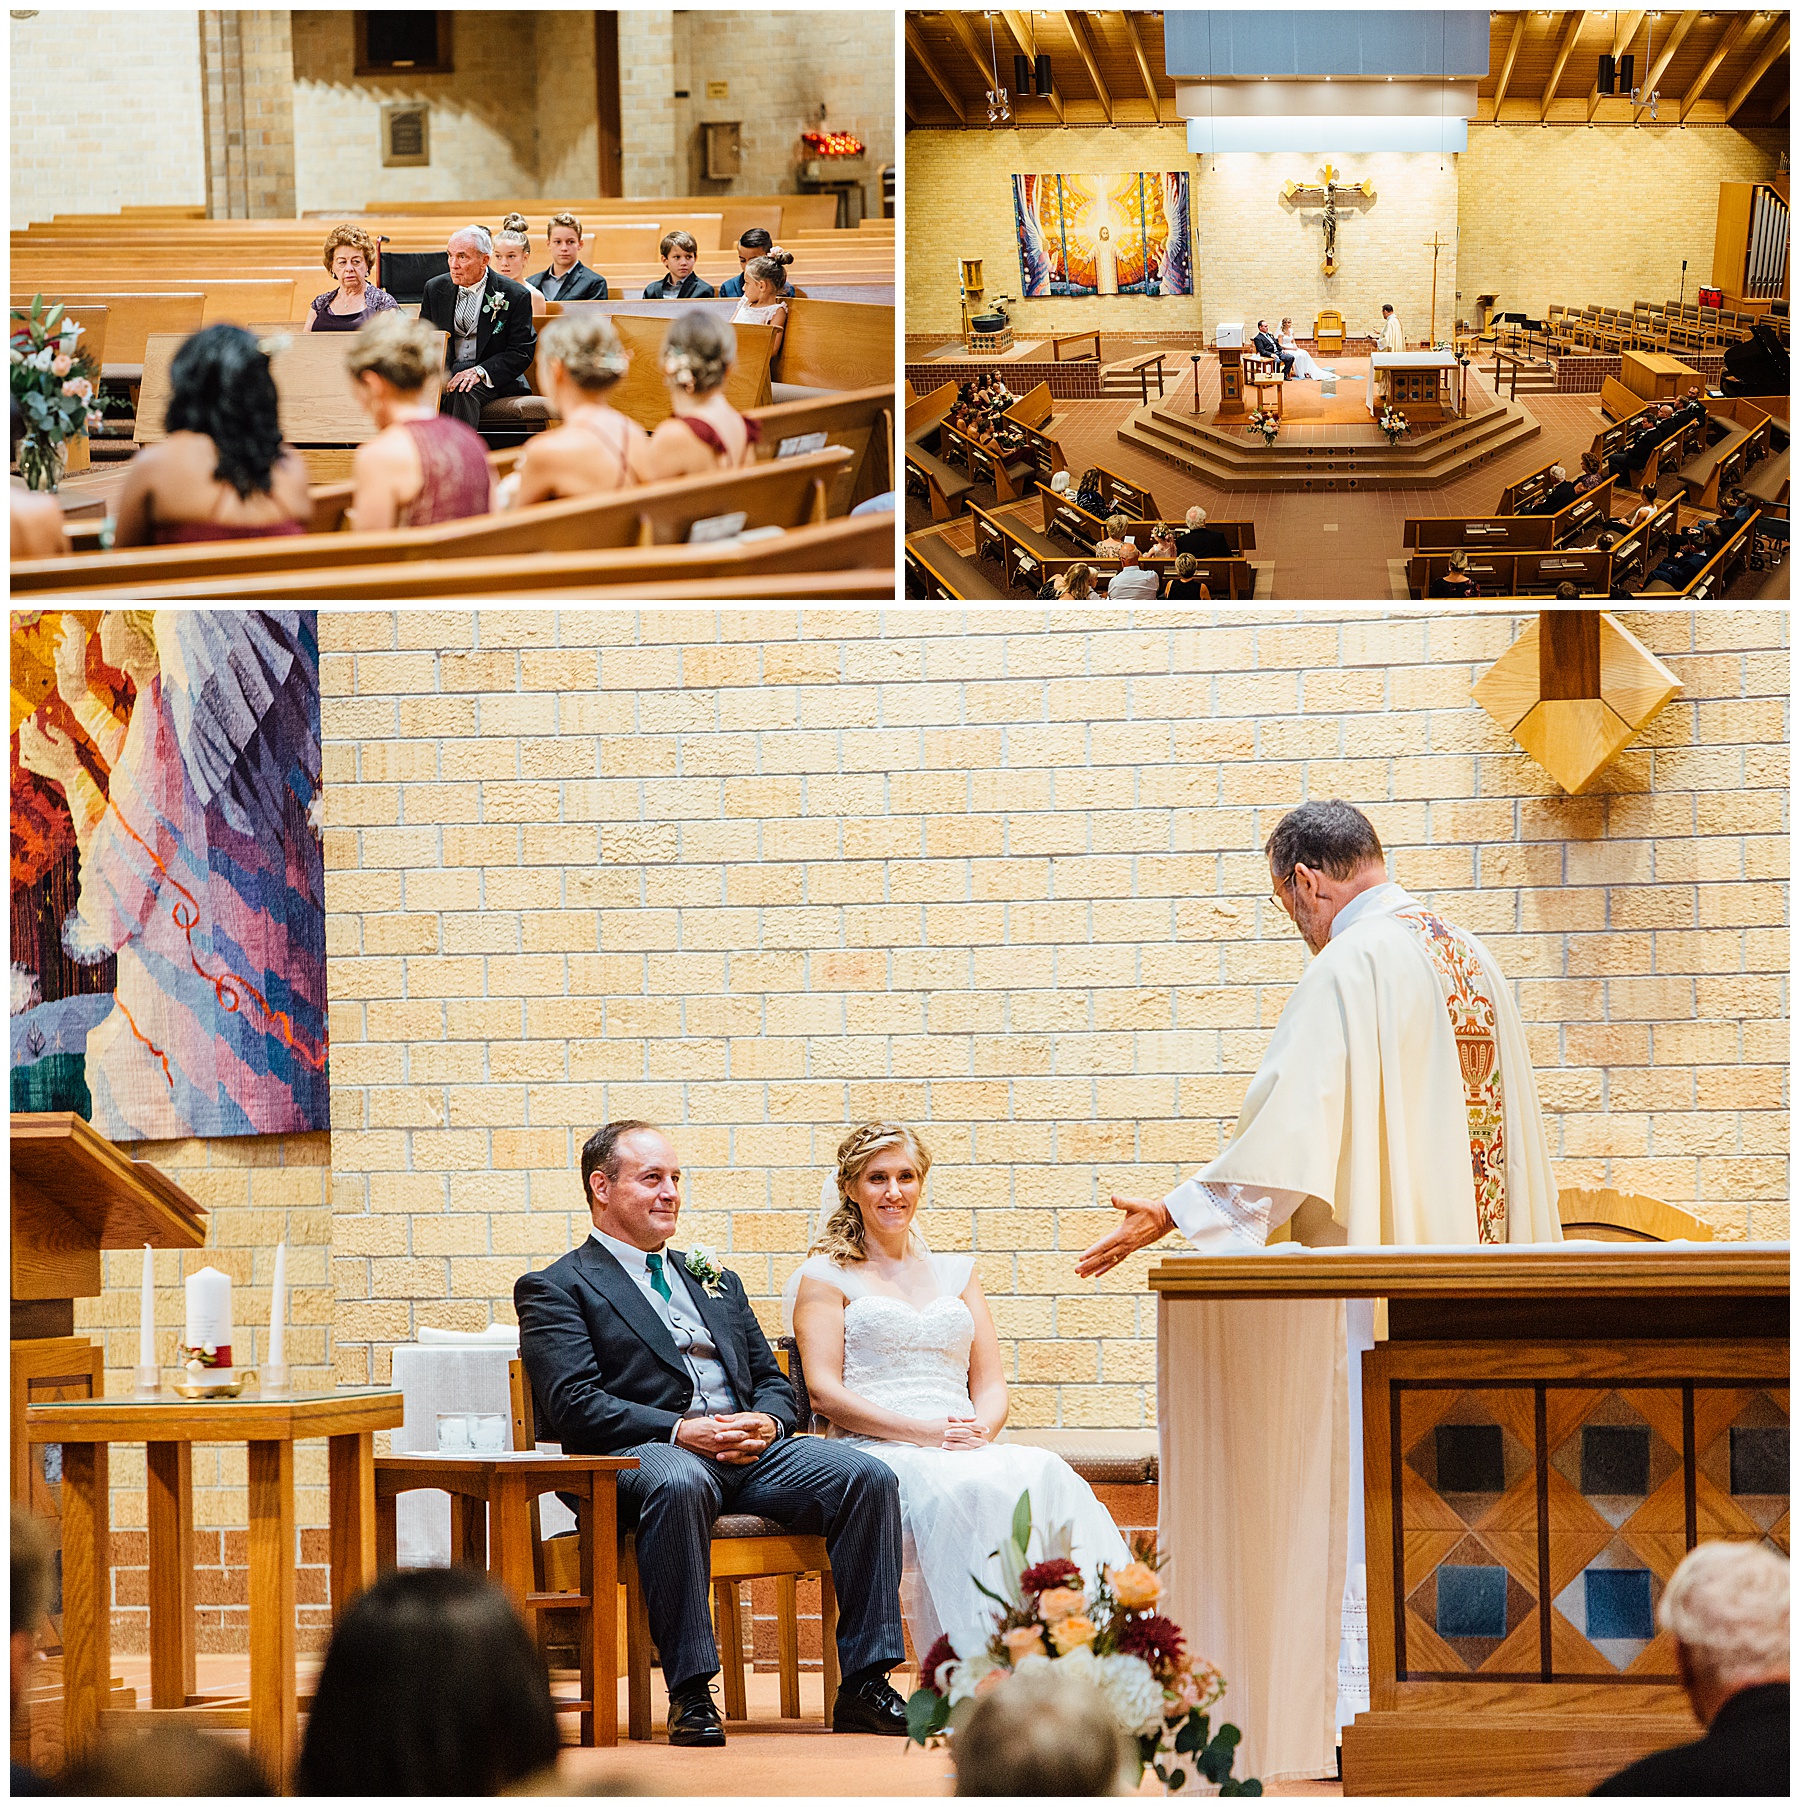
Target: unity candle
{"points": [[207, 1338]]}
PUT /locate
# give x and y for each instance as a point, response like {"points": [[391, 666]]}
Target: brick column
{"points": [[247, 75]]}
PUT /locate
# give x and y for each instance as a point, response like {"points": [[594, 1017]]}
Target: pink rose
{"points": [[992, 1679], [80, 387], [1023, 1641], [61, 365]]}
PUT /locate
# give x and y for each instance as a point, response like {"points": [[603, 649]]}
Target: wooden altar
{"points": [[1546, 1432], [1420, 383]]}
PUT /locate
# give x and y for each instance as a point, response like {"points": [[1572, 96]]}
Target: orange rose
{"points": [[1071, 1633], [1135, 1586], [1024, 1641], [1059, 1602]]}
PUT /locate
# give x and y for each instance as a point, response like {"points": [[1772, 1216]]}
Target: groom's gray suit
{"points": [[610, 1381]]}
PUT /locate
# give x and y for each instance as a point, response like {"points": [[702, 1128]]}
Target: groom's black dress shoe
{"points": [[868, 1704], [693, 1718]]}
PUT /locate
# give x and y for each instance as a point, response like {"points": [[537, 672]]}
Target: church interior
{"points": [[337, 934], [1165, 253], [214, 168]]}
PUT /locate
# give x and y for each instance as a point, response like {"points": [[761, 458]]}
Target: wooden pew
{"points": [[1517, 573], [1226, 577], [1528, 492], [786, 492], [797, 212], [1714, 576], [641, 392], [928, 411], [837, 345], [1124, 497], [1008, 474], [1714, 470], [130, 319], [1065, 518], [1768, 483], [937, 572], [1636, 550], [1490, 535], [860, 420], [931, 480]]}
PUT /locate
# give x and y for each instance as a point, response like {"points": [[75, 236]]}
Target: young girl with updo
{"points": [[512, 251], [596, 449], [763, 303], [705, 433]]}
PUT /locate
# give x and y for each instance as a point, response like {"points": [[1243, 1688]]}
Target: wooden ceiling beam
{"points": [[977, 52], [916, 44], [1025, 36], [1758, 70], [1564, 50], [1621, 38], [1653, 75], [1780, 106], [1143, 65], [1080, 31], [1728, 42], [1506, 68]]}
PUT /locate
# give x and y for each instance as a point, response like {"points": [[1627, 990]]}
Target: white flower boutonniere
{"points": [[703, 1264], [497, 304]]}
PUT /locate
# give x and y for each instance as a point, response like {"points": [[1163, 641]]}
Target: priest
{"points": [[1390, 338], [1396, 1106]]}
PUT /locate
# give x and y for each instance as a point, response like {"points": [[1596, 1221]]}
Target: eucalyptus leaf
{"points": [[1021, 1521]]}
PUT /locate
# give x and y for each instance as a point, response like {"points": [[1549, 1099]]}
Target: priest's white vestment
{"points": [[1390, 338], [1396, 1106]]}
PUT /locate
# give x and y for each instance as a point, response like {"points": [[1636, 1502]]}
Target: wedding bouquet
{"points": [[1392, 422], [1111, 1633], [56, 385], [1266, 422]]}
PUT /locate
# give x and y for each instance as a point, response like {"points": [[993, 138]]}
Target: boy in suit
{"points": [[679, 255], [568, 278], [488, 318]]}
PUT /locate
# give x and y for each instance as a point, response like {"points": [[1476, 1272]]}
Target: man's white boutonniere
{"points": [[703, 1264], [497, 304]]}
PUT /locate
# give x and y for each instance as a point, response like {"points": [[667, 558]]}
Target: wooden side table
{"points": [[507, 1484], [169, 1427]]}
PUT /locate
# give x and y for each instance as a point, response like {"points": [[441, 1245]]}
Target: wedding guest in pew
{"points": [[1559, 495], [223, 472], [37, 520], [763, 303], [754, 242], [1073, 585], [596, 449], [423, 466], [1184, 586], [1590, 474], [679, 255], [348, 308], [1132, 582], [568, 278], [1455, 584], [512, 251], [1162, 544], [1645, 509], [488, 318], [1202, 541], [1113, 546], [705, 433]]}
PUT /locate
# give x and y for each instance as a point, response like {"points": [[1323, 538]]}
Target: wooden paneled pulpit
{"points": [[1231, 384], [1545, 1432]]}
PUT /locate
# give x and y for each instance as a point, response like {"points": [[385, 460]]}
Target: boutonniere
{"points": [[703, 1264], [496, 305]]}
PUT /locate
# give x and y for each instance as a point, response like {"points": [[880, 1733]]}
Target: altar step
{"points": [[1232, 459], [1534, 379]]}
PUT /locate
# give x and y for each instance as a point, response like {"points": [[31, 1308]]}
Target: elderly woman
{"points": [[705, 433], [596, 449], [350, 257], [422, 466], [512, 250]]}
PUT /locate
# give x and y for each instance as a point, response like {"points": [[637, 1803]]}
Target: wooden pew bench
{"points": [[924, 413], [931, 480], [1065, 518], [937, 572], [1009, 476], [1124, 497], [860, 420], [1227, 578], [1768, 483], [1716, 575], [1715, 469], [1538, 573], [1638, 549], [1523, 496]]}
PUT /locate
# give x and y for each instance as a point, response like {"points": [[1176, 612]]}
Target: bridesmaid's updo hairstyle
{"points": [[842, 1237], [405, 352]]}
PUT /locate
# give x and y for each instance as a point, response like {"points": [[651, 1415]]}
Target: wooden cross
{"points": [[1325, 192], [1434, 246]]}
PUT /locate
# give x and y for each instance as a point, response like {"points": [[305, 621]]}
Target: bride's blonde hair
{"points": [[842, 1237]]}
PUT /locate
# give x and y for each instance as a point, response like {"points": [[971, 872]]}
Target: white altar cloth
{"points": [[1412, 360]]}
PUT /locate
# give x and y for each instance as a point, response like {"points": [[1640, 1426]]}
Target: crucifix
{"points": [[1327, 190], [1434, 246]]}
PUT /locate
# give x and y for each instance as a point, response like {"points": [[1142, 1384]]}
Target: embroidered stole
{"points": [[1478, 1054]]}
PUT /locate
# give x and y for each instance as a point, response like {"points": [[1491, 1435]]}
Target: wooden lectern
{"points": [[1231, 384], [1546, 1432]]}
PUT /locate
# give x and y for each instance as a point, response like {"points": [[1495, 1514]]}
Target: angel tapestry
{"points": [[1104, 235], [168, 909]]}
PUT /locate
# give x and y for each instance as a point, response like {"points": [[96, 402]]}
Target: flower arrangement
{"points": [[1392, 422], [55, 384], [1109, 1632], [703, 1264], [832, 144], [1266, 422]]}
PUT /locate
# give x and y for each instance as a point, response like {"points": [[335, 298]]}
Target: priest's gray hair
{"points": [[479, 236], [1728, 1603], [1333, 837], [1196, 516]]}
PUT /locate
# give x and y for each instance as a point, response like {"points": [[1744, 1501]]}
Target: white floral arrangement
{"points": [[1110, 1634], [1392, 422], [1266, 422], [703, 1263]]}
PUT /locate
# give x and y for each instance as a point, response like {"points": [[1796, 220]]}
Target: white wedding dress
{"points": [[956, 1506], [1304, 370]]}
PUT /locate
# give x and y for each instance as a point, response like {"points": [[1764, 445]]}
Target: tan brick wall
{"points": [[256, 1191], [247, 72], [568, 122], [647, 103], [105, 112], [759, 876]]}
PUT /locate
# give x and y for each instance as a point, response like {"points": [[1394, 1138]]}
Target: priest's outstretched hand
{"points": [[1146, 1221]]}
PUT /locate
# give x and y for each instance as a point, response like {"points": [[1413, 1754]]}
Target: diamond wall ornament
{"points": [[1573, 691]]}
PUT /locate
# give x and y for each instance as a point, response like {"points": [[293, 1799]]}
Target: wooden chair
{"points": [[1328, 333], [1600, 1214], [744, 1548]]}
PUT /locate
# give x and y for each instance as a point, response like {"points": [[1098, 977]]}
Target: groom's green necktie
{"points": [[659, 1281]]}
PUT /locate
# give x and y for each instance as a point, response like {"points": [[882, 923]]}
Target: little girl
{"points": [[765, 279]]}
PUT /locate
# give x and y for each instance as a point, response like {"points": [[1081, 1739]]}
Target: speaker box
{"points": [[1604, 81], [1021, 75], [1043, 75], [1627, 69]]}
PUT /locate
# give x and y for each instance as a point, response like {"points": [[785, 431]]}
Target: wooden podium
{"points": [[1546, 1432], [1231, 384]]}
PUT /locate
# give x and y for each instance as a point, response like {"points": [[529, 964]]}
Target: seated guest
{"points": [[512, 251], [31, 1584], [1590, 474], [1089, 497], [1727, 1605], [679, 255], [629, 1356], [1559, 495], [1567, 592], [488, 318], [568, 278], [1688, 556], [1202, 541], [1162, 543], [1132, 582], [1455, 583], [753, 243], [1114, 543], [37, 520], [1073, 585], [596, 449], [222, 473], [165, 1759], [705, 433], [350, 257], [1042, 1733], [1645, 509], [422, 466], [1184, 586], [431, 1686], [763, 303]]}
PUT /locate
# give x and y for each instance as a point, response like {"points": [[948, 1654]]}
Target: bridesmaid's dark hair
{"points": [[220, 385]]}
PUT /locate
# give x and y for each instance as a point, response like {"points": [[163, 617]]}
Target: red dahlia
{"points": [[940, 1653], [1059, 1571], [1158, 1641]]}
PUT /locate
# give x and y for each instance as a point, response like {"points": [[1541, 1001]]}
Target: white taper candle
{"points": [[147, 1373], [276, 1361]]}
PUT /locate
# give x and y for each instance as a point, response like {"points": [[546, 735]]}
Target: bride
{"points": [[900, 1352], [1304, 369]]}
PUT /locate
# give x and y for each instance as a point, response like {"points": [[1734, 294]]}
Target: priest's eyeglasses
{"points": [[1282, 883]]}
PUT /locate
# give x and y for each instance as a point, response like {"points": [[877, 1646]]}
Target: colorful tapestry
{"points": [[168, 905], [1104, 235]]}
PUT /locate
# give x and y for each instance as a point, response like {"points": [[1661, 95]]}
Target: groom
{"points": [[1270, 347], [634, 1349]]}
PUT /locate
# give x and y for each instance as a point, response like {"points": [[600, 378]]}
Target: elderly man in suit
{"points": [[635, 1349], [488, 318]]}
